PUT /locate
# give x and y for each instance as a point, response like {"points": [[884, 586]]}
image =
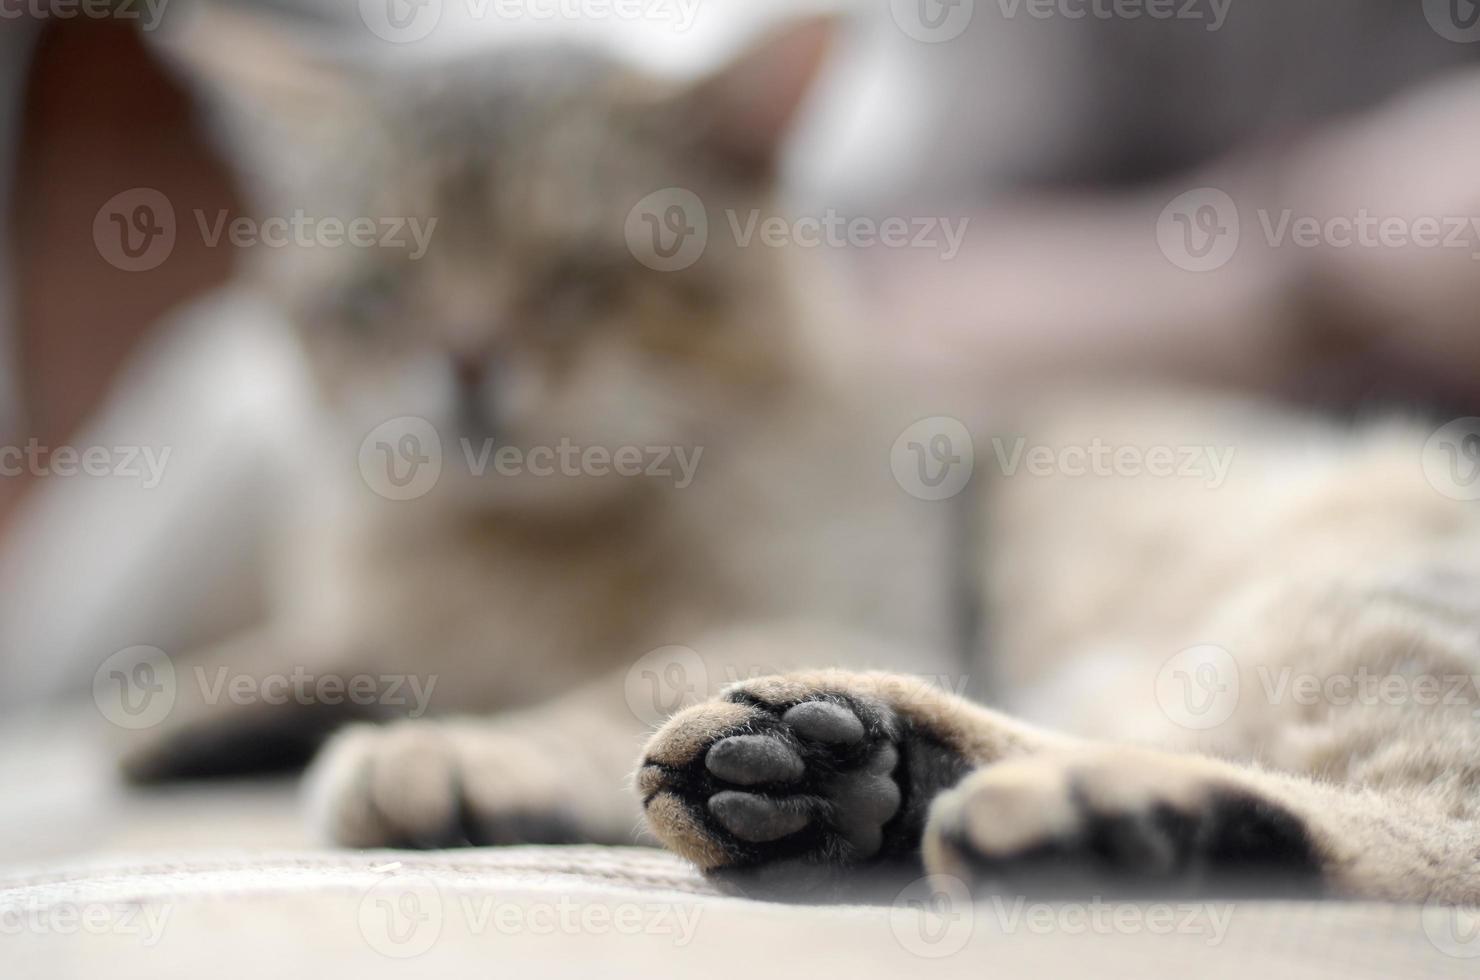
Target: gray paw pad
{"points": [[823, 721], [866, 800], [748, 760], [755, 818]]}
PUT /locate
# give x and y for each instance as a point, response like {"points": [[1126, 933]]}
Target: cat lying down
{"points": [[1160, 634]]}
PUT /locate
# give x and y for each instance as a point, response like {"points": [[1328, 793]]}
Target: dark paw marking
{"points": [[783, 796], [1231, 843]]}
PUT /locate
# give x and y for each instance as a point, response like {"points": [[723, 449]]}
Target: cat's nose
{"points": [[472, 382]]}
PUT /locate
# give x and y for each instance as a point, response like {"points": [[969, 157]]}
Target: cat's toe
{"points": [[780, 793], [1116, 822], [429, 785]]}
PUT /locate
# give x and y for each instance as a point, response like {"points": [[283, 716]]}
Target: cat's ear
{"points": [[747, 108], [277, 93]]}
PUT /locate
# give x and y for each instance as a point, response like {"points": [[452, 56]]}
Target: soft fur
{"points": [[532, 600]]}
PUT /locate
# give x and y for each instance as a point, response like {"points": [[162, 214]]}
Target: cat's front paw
{"points": [[782, 783], [425, 784], [1118, 820]]}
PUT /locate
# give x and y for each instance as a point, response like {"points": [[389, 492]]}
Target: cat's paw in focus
{"points": [[1118, 820], [434, 784], [786, 784]]}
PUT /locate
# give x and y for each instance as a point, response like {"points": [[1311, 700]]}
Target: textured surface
{"points": [[172, 901]]}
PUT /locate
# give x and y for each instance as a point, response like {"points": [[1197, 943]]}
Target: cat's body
{"points": [[529, 325], [1262, 682], [533, 600]]}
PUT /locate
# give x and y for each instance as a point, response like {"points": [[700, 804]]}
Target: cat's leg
{"points": [[1118, 818], [794, 780], [555, 773], [236, 709]]}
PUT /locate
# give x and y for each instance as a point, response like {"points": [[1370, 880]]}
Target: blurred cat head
{"points": [[511, 245]]}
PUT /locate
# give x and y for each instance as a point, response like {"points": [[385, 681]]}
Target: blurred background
{"points": [[1126, 169]]}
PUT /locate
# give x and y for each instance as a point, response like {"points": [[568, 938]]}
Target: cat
{"points": [[533, 600], [533, 609], [1268, 683]]}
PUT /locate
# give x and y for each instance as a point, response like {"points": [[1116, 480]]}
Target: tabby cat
{"points": [[1163, 634]]}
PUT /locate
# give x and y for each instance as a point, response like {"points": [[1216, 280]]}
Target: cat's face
{"points": [[504, 301]]}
